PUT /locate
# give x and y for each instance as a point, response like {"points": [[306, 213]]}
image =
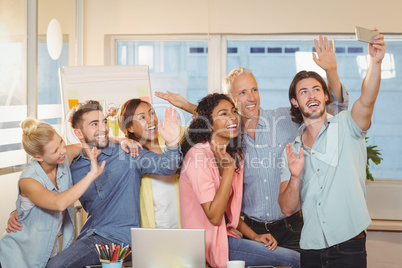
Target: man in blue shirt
{"points": [[328, 171], [112, 201], [266, 133]]}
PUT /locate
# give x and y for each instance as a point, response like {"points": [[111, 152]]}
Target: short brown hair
{"points": [[75, 117], [295, 112]]}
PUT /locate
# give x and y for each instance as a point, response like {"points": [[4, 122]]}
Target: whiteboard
{"points": [[110, 85]]}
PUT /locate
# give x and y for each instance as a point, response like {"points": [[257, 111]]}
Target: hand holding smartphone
{"points": [[365, 35]]}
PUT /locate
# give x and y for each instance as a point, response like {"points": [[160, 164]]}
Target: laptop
{"points": [[167, 248]]}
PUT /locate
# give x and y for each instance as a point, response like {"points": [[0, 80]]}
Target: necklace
{"points": [[303, 143]]}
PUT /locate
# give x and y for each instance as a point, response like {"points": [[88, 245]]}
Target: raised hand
{"points": [[295, 163], [223, 159], [170, 128], [326, 56], [131, 146], [96, 170], [173, 98], [377, 49]]}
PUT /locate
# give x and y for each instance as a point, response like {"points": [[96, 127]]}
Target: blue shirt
{"points": [[112, 200], [332, 183], [32, 246], [262, 164]]}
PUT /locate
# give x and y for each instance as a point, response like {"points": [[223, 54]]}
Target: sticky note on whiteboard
{"points": [[72, 97], [72, 94], [142, 91]]}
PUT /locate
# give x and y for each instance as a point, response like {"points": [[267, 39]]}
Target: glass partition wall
{"points": [[13, 83], [29, 76]]}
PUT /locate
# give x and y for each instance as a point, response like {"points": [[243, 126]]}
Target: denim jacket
{"points": [[32, 246]]}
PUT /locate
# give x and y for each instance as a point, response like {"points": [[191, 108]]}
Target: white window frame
{"points": [[285, 37], [214, 61], [217, 48]]}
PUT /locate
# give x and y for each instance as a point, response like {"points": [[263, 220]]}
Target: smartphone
{"points": [[365, 35]]}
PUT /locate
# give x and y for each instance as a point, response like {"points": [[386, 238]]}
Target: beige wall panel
{"points": [[313, 16], [9, 11], [63, 11], [9, 193], [231, 16]]}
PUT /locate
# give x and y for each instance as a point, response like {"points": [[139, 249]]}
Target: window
{"points": [[13, 95], [176, 66], [355, 50], [232, 50], [257, 50], [49, 100], [291, 50], [274, 61], [339, 50], [13, 86], [274, 50], [197, 50], [13, 92]]}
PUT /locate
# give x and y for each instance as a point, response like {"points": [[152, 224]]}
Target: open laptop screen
{"points": [[168, 248]]}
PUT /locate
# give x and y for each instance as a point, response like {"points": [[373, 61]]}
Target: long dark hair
{"points": [[295, 112], [125, 117], [200, 130]]}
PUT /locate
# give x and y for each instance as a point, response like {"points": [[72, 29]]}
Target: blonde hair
{"points": [[35, 135], [230, 77]]}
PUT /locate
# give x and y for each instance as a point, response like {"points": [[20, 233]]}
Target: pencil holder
{"points": [[117, 264]]}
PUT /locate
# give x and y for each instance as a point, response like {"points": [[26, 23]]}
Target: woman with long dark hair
{"points": [[159, 202], [211, 186]]}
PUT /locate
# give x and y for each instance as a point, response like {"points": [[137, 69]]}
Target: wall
{"points": [[231, 16], [384, 238], [8, 193], [384, 249]]}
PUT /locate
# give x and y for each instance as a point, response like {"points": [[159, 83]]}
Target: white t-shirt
{"points": [[165, 201]]}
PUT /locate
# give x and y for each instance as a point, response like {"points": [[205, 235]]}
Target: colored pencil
{"points": [[112, 252]]}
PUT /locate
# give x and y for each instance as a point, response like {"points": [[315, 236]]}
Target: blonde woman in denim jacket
{"points": [[46, 197]]}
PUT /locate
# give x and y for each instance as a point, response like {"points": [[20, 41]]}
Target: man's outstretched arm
{"points": [[363, 107], [177, 101]]}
